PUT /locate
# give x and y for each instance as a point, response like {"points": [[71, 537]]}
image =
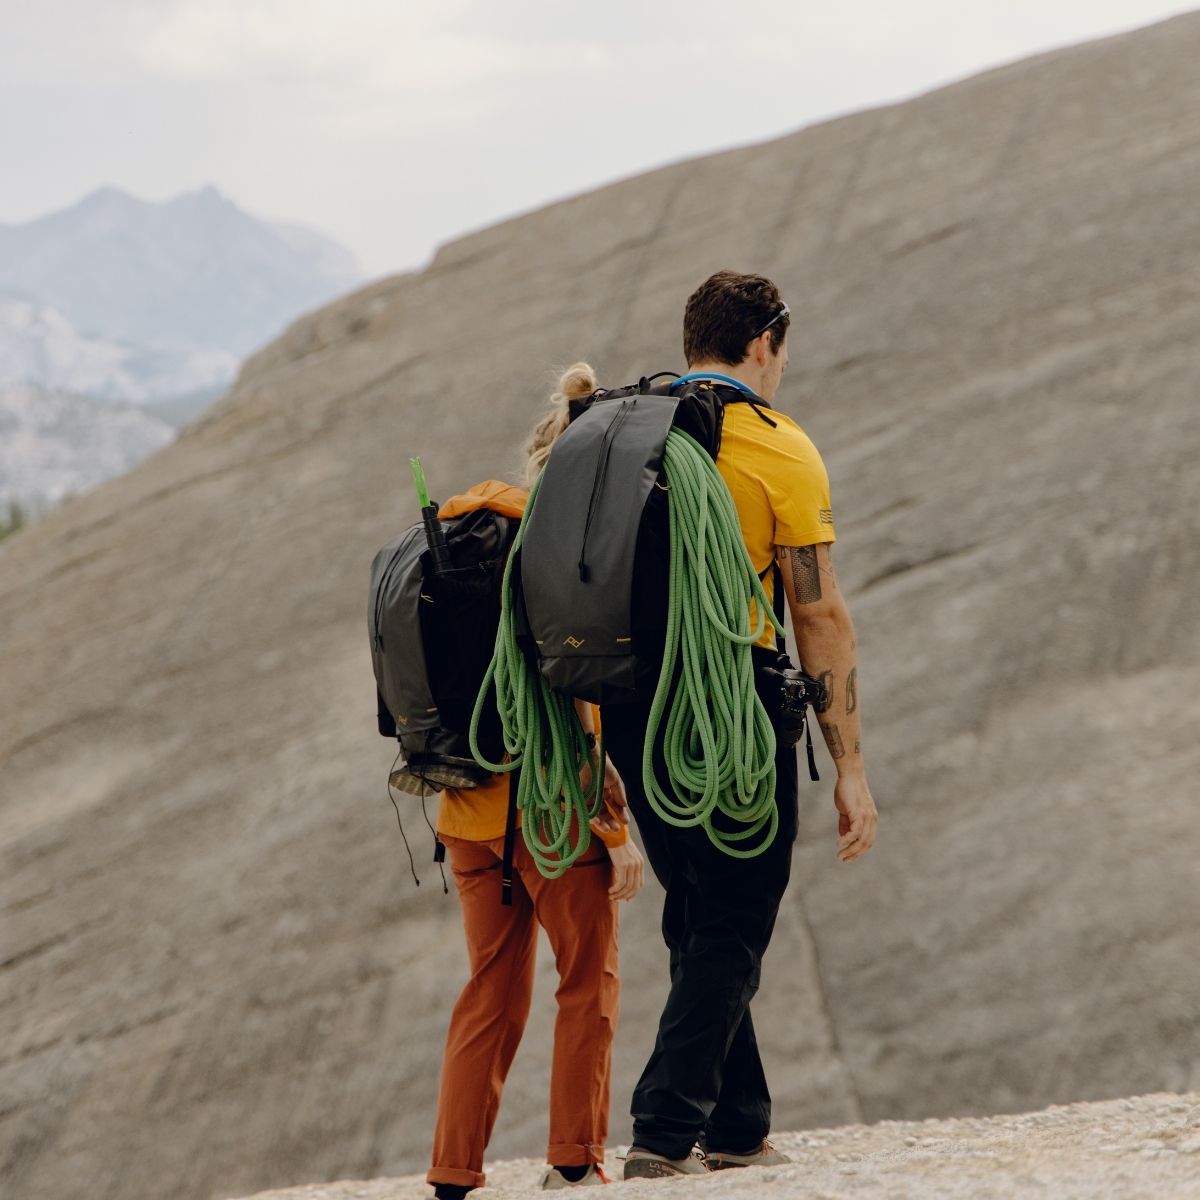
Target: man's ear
{"points": [[759, 348]]}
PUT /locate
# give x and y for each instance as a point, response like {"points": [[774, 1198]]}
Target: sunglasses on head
{"points": [[783, 312]]}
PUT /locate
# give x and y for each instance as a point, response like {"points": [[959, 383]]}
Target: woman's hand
{"points": [[615, 802], [614, 808], [628, 871]]}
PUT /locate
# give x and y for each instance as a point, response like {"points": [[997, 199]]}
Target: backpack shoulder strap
{"points": [[778, 603], [729, 391]]}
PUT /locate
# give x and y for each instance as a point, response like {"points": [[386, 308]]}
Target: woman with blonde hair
{"points": [[578, 912], [578, 382]]}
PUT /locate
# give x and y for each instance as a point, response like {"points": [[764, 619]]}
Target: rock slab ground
{"points": [[1115, 1150]]}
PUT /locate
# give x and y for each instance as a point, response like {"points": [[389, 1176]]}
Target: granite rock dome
{"points": [[217, 976]]}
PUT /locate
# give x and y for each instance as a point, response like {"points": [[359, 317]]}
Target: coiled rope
{"points": [[717, 742], [544, 738]]}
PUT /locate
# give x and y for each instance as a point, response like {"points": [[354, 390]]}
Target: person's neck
{"points": [[744, 372]]}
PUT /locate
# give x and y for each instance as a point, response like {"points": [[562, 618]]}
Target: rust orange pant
{"points": [[489, 1018]]}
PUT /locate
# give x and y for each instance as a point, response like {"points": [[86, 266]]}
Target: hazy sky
{"points": [[395, 125]]}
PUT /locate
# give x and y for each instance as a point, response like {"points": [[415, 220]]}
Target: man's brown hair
{"points": [[725, 312]]}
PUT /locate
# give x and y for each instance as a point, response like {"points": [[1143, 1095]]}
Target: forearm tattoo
{"points": [[852, 690], [806, 574], [833, 739]]}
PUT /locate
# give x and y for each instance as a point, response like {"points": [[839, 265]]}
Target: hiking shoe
{"points": [[765, 1156], [554, 1178], [645, 1164], [450, 1191]]}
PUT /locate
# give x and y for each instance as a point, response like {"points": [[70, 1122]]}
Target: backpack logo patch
{"points": [[574, 642]]}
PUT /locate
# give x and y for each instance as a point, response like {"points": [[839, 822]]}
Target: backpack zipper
{"points": [[605, 452]]}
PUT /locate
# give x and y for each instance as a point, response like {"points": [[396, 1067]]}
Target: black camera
{"points": [[787, 695], [797, 690]]}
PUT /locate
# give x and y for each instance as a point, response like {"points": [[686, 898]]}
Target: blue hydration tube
{"points": [[737, 383]]}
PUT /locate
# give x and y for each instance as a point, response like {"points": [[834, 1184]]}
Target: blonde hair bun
{"points": [[577, 381]]}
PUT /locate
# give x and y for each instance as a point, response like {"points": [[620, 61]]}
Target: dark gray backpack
{"points": [[432, 634], [601, 514]]}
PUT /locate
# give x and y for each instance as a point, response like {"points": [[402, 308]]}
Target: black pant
{"points": [[705, 1081]]}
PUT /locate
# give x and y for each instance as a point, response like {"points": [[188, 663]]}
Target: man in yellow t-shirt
{"points": [[704, 1083]]}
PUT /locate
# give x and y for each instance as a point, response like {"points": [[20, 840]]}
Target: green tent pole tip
{"points": [[419, 479]]}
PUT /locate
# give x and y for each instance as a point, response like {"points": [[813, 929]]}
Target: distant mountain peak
{"points": [[107, 197], [110, 197], [194, 273], [208, 196]]}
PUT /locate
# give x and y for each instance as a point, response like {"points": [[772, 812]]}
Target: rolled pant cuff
{"points": [[460, 1178], [570, 1154]]}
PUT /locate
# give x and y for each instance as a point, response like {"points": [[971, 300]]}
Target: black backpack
{"points": [[433, 629], [602, 511]]}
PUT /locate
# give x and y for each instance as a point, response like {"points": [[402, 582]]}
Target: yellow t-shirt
{"points": [[779, 486]]}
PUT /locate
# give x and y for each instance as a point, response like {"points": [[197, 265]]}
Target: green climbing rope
{"points": [[544, 738], [716, 739]]}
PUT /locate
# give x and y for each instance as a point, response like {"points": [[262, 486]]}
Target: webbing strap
{"points": [[780, 614], [812, 758], [510, 840], [779, 610]]}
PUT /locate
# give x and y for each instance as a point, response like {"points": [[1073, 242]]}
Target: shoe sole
{"points": [[566, 1185]]}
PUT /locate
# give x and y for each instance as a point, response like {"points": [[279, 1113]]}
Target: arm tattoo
{"points": [[833, 739], [806, 575], [852, 690], [825, 699]]}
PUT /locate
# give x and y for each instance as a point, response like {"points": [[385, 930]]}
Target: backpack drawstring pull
{"points": [[439, 850], [762, 416], [412, 866]]}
